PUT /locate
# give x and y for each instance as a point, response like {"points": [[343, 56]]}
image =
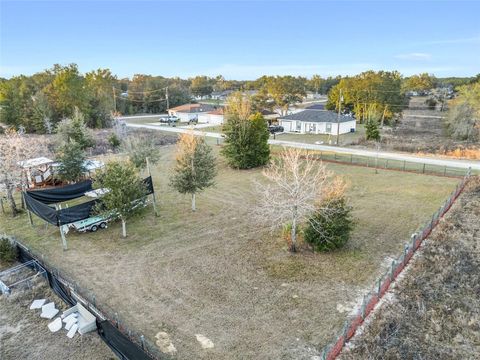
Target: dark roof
{"points": [[316, 116], [316, 107]]}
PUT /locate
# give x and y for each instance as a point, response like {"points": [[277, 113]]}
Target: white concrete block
{"points": [[55, 325], [71, 316], [48, 306], [37, 304], [72, 331], [70, 323], [49, 313]]}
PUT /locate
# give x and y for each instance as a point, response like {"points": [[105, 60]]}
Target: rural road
{"points": [[462, 164]]}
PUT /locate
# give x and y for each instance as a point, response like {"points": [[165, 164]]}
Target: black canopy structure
{"points": [[61, 194], [38, 202]]}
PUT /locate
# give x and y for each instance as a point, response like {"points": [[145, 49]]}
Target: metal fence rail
{"points": [[382, 284]]}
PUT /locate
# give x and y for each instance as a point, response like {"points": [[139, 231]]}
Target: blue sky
{"points": [[241, 40]]}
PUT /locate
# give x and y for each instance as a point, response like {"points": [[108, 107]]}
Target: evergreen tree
{"points": [[372, 132], [75, 129], [329, 228], [72, 161], [139, 148], [195, 168], [126, 191], [246, 141]]}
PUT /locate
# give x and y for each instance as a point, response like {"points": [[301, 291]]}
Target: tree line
{"points": [[40, 101]]}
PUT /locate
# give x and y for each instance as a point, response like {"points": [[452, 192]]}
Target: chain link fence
{"points": [[381, 286]]}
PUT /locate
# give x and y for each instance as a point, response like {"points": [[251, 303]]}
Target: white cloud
{"points": [[414, 56]]}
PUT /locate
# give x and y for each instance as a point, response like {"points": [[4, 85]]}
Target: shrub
{"points": [[329, 228], [75, 129], [431, 103], [8, 251], [114, 141], [139, 148]]}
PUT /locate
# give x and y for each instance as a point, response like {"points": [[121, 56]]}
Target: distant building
{"points": [[317, 122], [214, 117], [189, 112]]}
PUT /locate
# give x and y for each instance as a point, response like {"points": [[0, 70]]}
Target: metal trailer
{"points": [[91, 224]]}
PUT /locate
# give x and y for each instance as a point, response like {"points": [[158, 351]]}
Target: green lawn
{"points": [[216, 272]]}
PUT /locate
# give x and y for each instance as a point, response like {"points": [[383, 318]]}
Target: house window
{"points": [[328, 129], [312, 128]]}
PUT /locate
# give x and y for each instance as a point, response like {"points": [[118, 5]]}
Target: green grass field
{"points": [[216, 272]]}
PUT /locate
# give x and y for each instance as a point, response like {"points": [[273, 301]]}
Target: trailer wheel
{"points": [[103, 225], [94, 228]]}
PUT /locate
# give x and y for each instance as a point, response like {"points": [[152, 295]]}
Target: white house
{"points": [[189, 112], [317, 122], [214, 117]]}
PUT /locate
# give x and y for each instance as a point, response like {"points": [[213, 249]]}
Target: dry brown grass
{"points": [[435, 312], [213, 272]]}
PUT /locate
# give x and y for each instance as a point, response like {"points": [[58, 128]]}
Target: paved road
{"points": [[463, 164]]}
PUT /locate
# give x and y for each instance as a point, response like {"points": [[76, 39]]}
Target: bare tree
{"points": [[14, 148], [297, 186]]}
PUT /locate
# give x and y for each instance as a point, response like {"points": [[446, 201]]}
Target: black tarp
{"points": [[43, 211], [61, 194], [148, 182], [120, 344], [76, 213]]}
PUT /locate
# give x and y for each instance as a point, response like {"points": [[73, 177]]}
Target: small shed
{"points": [[38, 171]]}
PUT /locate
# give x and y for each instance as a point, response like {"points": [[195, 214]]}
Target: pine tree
{"points": [[195, 166], [72, 161], [246, 141], [372, 132], [126, 191]]}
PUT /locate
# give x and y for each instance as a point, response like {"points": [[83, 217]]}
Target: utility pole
{"points": [[338, 115], [166, 97], [114, 100]]}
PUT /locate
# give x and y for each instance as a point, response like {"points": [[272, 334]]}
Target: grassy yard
{"points": [[214, 272]]}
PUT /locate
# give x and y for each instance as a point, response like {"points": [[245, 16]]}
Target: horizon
{"points": [[240, 40]]}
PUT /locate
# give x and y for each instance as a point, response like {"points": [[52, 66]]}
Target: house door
{"points": [[299, 126], [328, 129]]}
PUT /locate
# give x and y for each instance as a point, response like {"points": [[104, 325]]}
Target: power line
{"points": [[143, 92]]}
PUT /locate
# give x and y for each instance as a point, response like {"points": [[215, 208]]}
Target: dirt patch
{"points": [[435, 309], [24, 334]]}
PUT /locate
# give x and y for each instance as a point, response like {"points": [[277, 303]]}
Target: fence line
{"points": [[331, 351], [88, 300], [388, 164]]}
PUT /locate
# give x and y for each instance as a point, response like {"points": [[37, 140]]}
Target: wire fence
{"points": [[389, 164], [103, 312], [383, 283]]}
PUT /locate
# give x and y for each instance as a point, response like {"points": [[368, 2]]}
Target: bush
{"points": [[329, 228], [431, 103], [114, 141], [139, 148], [8, 251], [75, 129]]}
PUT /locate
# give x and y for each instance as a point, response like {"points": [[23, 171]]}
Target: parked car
{"points": [[193, 121], [169, 119], [275, 129]]}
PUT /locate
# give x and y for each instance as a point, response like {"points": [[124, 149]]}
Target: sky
{"points": [[241, 39]]}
